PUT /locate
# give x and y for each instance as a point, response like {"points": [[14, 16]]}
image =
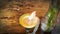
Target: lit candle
{"points": [[29, 20]]}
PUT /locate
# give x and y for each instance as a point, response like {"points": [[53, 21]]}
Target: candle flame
{"points": [[32, 15], [29, 20]]}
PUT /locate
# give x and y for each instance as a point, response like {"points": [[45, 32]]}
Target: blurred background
{"points": [[11, 10]]}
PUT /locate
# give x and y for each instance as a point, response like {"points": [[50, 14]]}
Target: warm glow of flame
{"points": [[32, 15], [29, 20]]}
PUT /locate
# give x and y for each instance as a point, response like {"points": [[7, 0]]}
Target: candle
{"points": [[29, 20]]}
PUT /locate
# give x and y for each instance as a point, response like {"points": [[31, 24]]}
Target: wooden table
{"points": [[10, 13]]}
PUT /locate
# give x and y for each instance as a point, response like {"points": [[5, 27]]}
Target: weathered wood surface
{"points": [[12, 10]]}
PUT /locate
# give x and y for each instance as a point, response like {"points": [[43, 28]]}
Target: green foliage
{"points": [[52, 15]]}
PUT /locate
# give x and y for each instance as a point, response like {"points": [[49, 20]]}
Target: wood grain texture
{"points": [[10, 13]]}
